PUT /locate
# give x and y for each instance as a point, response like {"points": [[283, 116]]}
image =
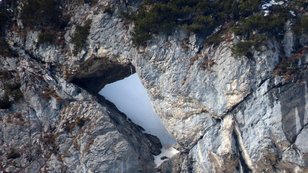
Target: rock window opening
{"points": [[131, 98]]}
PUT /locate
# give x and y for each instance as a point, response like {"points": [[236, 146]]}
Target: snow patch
{"points": [[165, 154], [271, 3], [292, 13], [266, 12], [130, 97], [267, 5]]}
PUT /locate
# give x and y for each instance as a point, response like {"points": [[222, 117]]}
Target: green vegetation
{"points": [[44, 15], [244, 47], [212, 19], [214, 39], [299, 4], [271, 25], [13, 154], [5, 48], [248, 7], [6, 12], [80, 36], [198, 16], [11, 88], [5, 102], [3, 20], [301, 25], [290, 69], [38, 13], [304, 24], [255, 29], [46, 37]]}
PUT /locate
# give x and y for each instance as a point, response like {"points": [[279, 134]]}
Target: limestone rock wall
{"points": [[53, 126], [228, 114]]}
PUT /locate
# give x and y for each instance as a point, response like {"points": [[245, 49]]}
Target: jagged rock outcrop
{"points": [[228, 114], [49, 125]]}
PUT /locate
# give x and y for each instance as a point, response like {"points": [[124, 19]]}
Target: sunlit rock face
{"points": [[226, 113], [196, 99]]}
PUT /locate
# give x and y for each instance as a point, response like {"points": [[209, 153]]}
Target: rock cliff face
{"points": [[53, 126], [227, 114]]}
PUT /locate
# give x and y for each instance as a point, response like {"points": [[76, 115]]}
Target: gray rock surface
{"points": [[53, 126], [228, 114]]}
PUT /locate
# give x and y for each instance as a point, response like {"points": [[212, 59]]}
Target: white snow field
{"points": [[131, 98]]}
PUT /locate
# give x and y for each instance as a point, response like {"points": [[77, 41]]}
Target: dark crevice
{"points": [[21, 51], [18, 47], [95, 73], [263, 81], [275, 87], [242, 164], [239, 103], [187, 149], [299, 132]]}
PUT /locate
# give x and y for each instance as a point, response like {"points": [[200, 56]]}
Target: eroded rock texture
{"points": [[49, 125], [228, 114]]}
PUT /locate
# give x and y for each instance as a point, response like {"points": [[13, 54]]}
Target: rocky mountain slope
{"points": [[227, 113]]}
